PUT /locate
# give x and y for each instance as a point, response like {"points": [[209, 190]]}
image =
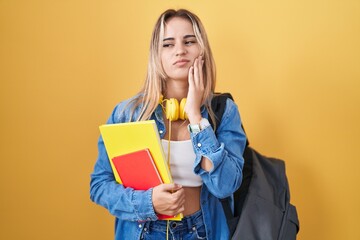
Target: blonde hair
{"points": [[155, 82]]}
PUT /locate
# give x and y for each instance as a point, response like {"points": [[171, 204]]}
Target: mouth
{"points": [[181, 62]]}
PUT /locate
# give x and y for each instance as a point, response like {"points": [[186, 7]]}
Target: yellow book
{"points": [[123, 138]]}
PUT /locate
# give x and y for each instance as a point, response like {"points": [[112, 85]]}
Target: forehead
{"points": [[177, 26]]}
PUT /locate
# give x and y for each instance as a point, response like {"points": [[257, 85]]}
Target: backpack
{"points": [[262, 208]]}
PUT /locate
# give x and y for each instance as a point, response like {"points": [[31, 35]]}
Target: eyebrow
{"points": [[185, 37]]}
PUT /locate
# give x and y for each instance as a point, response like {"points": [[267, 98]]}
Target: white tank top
{"points": [[182, 159]]}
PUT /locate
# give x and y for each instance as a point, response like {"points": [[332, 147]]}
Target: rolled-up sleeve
{"points": [[224, 149], [123, 203]]}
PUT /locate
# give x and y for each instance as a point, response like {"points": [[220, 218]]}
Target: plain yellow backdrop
{"points": [[292, 66]]}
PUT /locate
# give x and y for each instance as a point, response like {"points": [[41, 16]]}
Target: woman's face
{"points": [[179, 48]]}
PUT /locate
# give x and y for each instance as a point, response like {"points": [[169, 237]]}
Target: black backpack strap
{"points": [[231, 220], [218, 105]]}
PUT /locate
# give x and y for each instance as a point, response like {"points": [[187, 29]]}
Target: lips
{"points": [[181, 62]]}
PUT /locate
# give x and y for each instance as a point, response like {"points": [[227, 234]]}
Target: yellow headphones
{"points": [[173, 110]]}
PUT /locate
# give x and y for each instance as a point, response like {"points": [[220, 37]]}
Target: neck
{"points": [[176, 89]]}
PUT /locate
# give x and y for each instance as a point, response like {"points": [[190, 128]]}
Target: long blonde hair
{"points": [[155, 82]]}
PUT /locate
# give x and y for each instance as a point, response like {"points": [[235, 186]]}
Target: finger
{"points": [[178, 205], [176, 187], [200, 64], [182, 200], [181, 209], [178, 210], [171, 187], [201, 73], [179, 197], [196, 72], [191, 77], [177, 194]]}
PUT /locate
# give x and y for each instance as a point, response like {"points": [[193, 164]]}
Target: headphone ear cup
{"points": [[172, 109], [161, 99], [182, 113]]}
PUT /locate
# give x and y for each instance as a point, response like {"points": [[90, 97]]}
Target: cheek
{"points": [[163, 61], [196, 49], [166, 61], [165, 65]]}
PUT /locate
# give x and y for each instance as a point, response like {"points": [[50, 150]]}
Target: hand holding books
{"points": [[168, 199], [138, 161]]}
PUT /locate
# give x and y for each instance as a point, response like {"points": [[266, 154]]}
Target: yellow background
{"points": [[293, 67]]}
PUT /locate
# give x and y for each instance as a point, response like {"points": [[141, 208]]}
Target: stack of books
{"points": [[136, 156]]}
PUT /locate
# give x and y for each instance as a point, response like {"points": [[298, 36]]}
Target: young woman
{"points": [[205, 166]]}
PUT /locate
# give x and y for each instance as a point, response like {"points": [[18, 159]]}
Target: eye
{"points": [[189, 43], [166, 45]]}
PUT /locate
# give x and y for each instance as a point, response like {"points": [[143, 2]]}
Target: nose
{"points": [[180, 50]]}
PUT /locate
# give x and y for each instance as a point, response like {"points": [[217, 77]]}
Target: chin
{"points": [[180, 76]]}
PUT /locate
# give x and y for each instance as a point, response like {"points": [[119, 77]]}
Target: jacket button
{"points": [[140, 226], [199, 144]]}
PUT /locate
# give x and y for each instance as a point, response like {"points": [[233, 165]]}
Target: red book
{"points": [[138, 171]]}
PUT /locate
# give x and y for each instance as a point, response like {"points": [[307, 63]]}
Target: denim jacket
{"points": [[133, 207]]}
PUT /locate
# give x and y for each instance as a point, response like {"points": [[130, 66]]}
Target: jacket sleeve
{"points": [[224, 150], [123, 203]]}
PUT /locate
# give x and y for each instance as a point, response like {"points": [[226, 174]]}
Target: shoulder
{"points": [[231, 119], [231, 108], [125, 110], [222, 104]]}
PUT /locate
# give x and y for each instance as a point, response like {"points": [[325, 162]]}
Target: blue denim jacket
{"points": [[132, 208]]}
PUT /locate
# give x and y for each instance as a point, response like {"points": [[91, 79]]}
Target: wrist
{"points": [[194, 118], [195, 128]]}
